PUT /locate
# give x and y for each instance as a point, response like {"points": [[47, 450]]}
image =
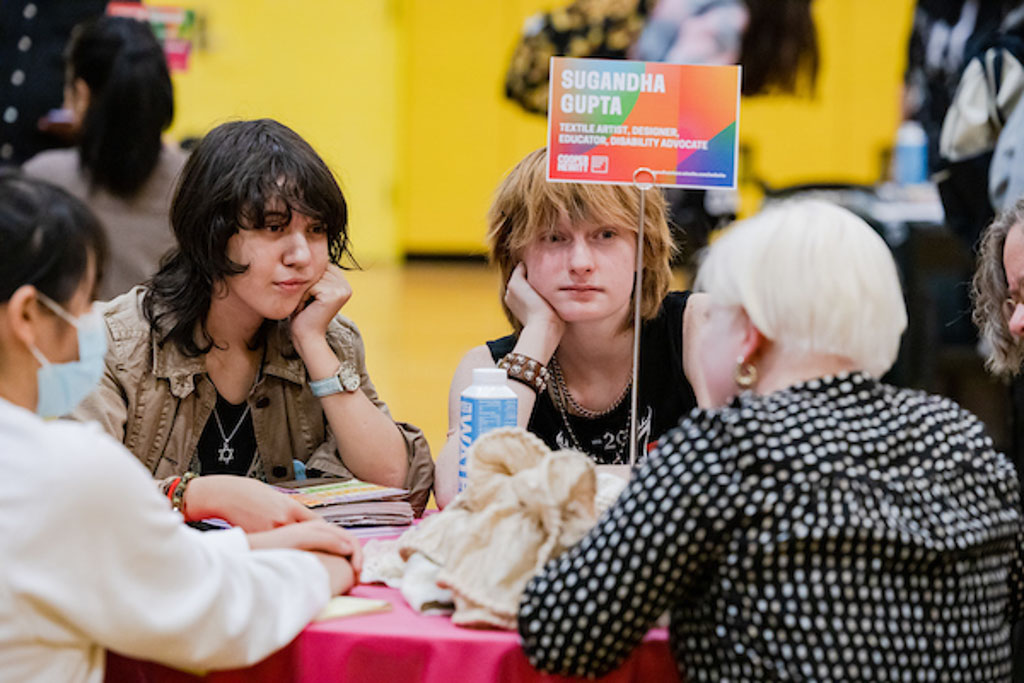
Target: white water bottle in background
{"points": [[488, 403], [910, 162]]}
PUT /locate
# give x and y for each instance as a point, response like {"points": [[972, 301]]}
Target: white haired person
{"points": [[807, 521]]}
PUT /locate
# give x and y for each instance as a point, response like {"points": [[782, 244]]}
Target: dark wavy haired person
{"points": [[107, 564], [234, 359], [118, 92]]}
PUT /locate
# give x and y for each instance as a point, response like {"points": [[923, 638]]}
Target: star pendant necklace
{"points": [[225, 454]]}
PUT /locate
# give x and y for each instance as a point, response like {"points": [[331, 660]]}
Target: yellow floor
{"points": [[417, 321]]}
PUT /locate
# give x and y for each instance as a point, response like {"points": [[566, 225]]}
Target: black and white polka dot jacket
{"points": [[841, 529]]}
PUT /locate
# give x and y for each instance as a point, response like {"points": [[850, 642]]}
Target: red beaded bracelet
{"points": [[169, 492]]}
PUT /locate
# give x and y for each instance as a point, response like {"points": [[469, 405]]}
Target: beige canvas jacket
{"points": [[157, 402]]}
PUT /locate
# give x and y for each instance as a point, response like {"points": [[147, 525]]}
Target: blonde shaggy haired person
{"points": [[567, 254]]}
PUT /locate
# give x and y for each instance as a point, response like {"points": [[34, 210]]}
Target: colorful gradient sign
{"points": [[608, 117]]}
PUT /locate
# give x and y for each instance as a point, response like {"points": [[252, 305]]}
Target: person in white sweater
{"points": [[93, 556]]}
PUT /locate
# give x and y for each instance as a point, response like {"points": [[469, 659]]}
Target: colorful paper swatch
{"points": [[343, 492]]}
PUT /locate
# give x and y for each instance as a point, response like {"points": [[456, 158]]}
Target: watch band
{"points": [[345, 379], [326, 387]]}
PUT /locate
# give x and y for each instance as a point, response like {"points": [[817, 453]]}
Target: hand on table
{"points": [[338, 551], [341, 574], [243, 502], [314, 535]]}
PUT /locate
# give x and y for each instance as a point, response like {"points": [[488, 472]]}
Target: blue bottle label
{"points": [[477, 417]]}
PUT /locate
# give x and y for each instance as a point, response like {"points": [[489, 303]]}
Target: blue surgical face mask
{"points": [[62, 386]]}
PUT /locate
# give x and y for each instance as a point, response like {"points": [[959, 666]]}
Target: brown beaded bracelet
{"points": [[524, 369], [178, 495]]}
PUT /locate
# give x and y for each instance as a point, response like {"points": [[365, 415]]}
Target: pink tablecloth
{"points": [[400, 645]]}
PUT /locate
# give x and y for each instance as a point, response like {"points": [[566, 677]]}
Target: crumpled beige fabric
{"points": [[524, 505], [609, 488], [382, 563], [420, 588]]}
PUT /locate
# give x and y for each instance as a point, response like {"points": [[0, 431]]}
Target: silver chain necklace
{"points": [[558, 391], [563, 389], [226, 453]]}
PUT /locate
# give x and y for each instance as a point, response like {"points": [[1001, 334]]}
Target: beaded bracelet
{"points": [[169, 485], [178, 491], [524, 369]]}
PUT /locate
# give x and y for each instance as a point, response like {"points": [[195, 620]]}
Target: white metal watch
{"points": [[345, 379]]}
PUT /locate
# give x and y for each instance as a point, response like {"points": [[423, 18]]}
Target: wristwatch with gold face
{"points": [[346, 379]]}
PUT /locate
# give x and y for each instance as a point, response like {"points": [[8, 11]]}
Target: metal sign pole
{"points": [[638, 287]]}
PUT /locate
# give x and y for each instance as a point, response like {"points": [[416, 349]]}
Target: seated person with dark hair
{"points": [[93, 556]]}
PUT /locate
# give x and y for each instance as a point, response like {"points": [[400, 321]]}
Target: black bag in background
{"points": [[990, 87], [963, 188]]}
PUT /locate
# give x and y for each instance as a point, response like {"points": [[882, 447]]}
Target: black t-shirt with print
{"points": [[665, 395]]}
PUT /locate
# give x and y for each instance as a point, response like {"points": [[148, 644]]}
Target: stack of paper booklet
{"points": [[354, 502]]}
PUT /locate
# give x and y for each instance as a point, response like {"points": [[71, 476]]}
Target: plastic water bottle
{"points": [[486, 404], [911, 158]]}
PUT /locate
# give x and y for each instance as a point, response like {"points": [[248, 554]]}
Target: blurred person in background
{"points": [[962, 83], [33, 36], [118, 92], [774, 40], [944, 34]]}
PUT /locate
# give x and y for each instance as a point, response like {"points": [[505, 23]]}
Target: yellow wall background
{"points": [[403, 98], [327, 69]]}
